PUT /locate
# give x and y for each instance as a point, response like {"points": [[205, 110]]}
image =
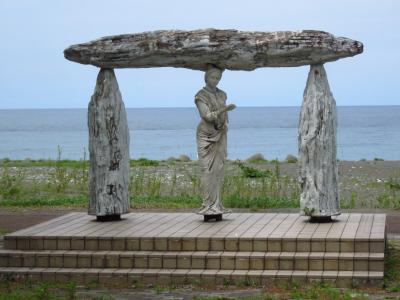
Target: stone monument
{"points": [[319, 197], [108, 149], [223, 49], [212, 143]]}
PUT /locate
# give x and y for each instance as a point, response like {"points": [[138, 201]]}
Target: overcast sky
{"points": [[34, 73]]}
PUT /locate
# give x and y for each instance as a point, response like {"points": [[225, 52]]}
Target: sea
{"points": [[364, 132]]}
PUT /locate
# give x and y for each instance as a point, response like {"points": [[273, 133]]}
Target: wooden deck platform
{"points": [[179, 247]]}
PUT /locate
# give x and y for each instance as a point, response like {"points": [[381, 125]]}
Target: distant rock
{"points": [[291, 158], [184, 158], [256, 157], [226, 49]]}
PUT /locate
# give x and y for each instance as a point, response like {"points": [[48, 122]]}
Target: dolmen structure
{"points": [[319, 243], [198, 50]]}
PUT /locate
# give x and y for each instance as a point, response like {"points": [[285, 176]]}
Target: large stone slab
{"points": [[226, 49]]}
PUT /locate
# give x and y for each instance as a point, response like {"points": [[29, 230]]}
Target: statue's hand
{"points": [[230, 107]]}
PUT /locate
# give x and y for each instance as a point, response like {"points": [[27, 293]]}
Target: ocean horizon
{"points": [[364, 132]]}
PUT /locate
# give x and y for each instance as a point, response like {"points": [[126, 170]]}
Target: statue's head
{"points": [[213, 76]]}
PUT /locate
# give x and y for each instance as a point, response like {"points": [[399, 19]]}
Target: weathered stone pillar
{"points": [[317, 148], [109, 150]]}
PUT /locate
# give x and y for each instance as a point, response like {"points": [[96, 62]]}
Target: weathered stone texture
{"points": [[109, 148], [226, 49], [317, 147]]}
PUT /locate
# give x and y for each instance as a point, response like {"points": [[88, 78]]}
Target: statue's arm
{"points": [[205, 112]]}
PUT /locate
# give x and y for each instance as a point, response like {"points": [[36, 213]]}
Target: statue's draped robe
{"points": [[211, 148]]}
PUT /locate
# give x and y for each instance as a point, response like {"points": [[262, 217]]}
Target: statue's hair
{"points": [[213, 69]]}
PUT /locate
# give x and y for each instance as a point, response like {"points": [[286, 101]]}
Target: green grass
{"points": [[43, 163], [323, 290], [392, 267], [378, 159], [251, 172], [66, 163], [152, 184], [3, 231], [144, 162], [10, 290], [43, 202], [162, 184], [252, 297]]}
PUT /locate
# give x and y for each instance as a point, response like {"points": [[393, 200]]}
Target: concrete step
{"points": [[127, 277], [306, 261], [268, 232], [102, 243]]}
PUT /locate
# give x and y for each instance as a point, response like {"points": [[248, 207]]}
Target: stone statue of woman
{"points": [[211, 143]]}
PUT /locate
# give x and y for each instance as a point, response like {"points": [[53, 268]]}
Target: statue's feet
{"points": [[213, 210]]}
